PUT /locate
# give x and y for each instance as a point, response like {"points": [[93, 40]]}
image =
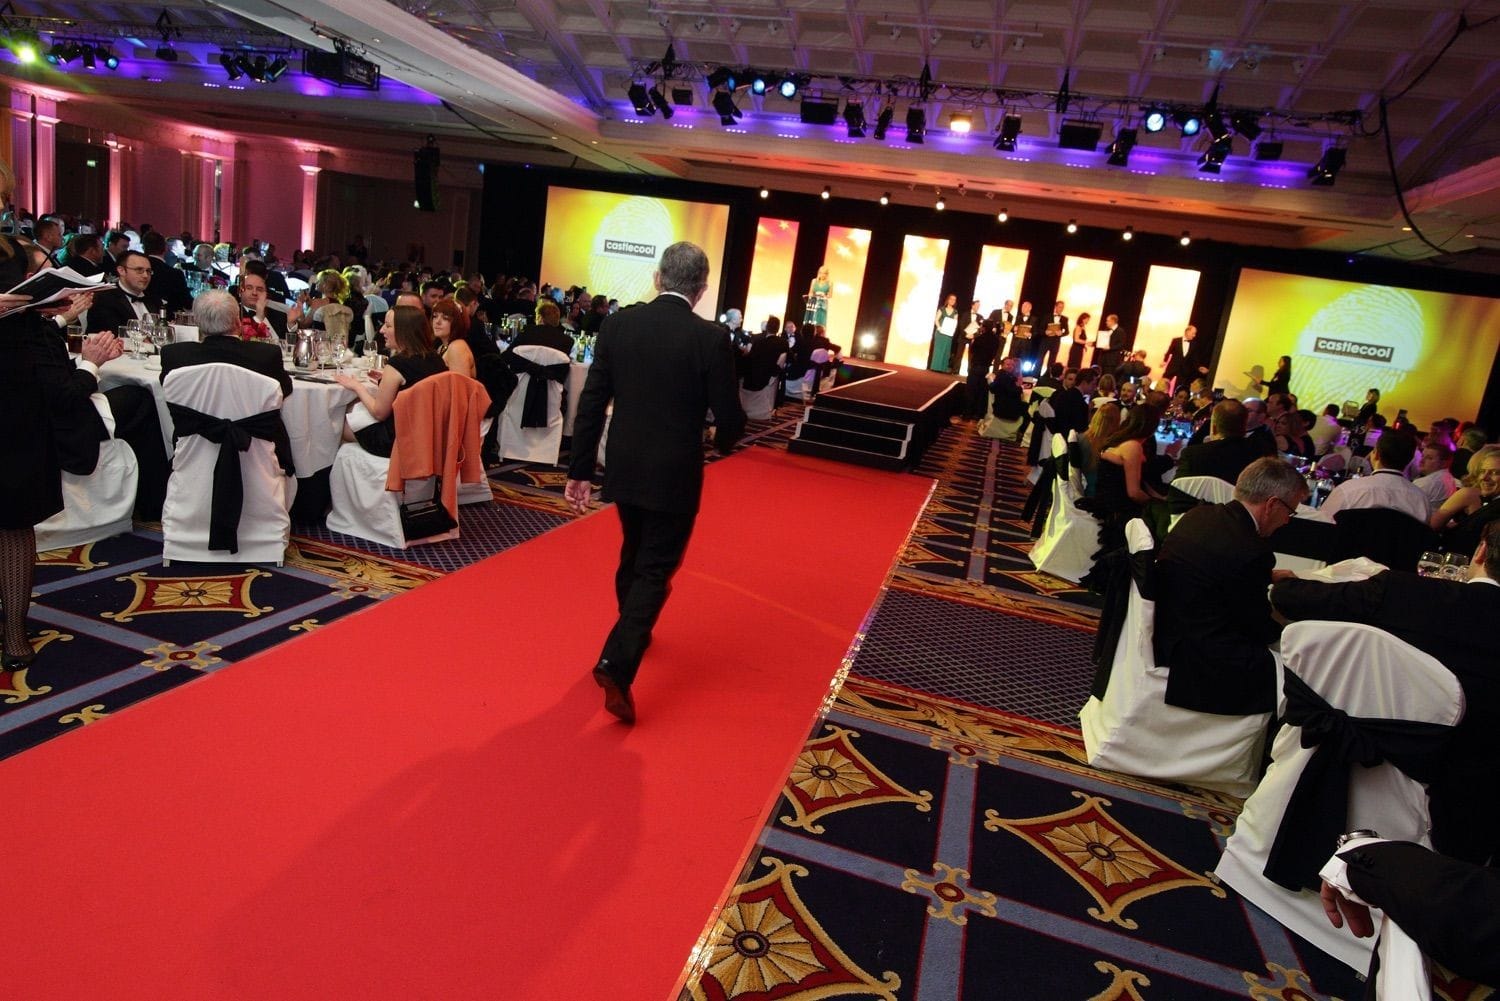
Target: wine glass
{"points": [[1455, 567], [1429, 564], [159, 335], [133, 339]]}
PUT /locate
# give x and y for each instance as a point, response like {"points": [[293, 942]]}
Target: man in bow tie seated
{"points": [[219, 327], [254, 291], [113, 307]]}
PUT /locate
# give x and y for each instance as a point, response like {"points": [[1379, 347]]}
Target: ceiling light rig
{"points": [[169, 31]]}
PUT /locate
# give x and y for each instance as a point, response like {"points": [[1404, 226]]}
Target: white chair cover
{"points": [[1075, 471], [533, 444], [481, 492], [233, 393], [1365, 672], [337, 319], [1042, 414], [1133, 730], [99, 505], [1210, 489], [1070, 537]]}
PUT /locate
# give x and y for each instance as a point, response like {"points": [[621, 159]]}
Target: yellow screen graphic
{"points": [[1429, 353], [919, 293], [770, 271], [1001, 270], [611, 242], [845, 257], [1082, 287], [1166, 308]]}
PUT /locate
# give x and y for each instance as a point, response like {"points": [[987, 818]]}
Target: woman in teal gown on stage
{"points": [[944, 325], [817, 299]]}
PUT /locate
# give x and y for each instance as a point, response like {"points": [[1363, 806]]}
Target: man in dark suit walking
{"points": [[218, 318], [1184, 360], [664, 368], [167, 283]]}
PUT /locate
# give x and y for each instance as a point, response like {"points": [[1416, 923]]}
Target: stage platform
{"points": [[878, 415]]}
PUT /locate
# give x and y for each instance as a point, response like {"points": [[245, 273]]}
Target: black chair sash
{"points": [[1039, 501], [1120, 570], [1319, 806], [232, 437], [534, 407]]}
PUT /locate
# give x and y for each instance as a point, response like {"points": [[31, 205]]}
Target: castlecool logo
{"points": [[1354, 349], [626, 248]]}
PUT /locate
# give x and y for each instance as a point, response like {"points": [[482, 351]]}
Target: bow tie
{"points": [[133, 297]]}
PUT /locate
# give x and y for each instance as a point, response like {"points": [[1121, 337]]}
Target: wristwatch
{"points": [[1344, 839]]}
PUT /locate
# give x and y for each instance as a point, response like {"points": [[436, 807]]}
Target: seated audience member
{"points": [[1470, 441], [449, 326], [1450, 620], [86, 254], [1104, 392], [432, 291], [1133, 369], [219, 325], [1009, 404], [546, 331], [1213, 619], [1070, 406], [1300, 422], [1257, 427], [1086, 455], [113, 307], [1435, 472], [1123, 490], [1053, 378], [1474, 505], [1326, 429], [167, 283], [1449, 908], [1386, 487], [761, 365], [408, 339], [254, 299], [1224, 453], [276, 287], [328, 289], [1126, 393]]}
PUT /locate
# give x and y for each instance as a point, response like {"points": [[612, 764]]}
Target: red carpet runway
{"points": [[424, 800]]}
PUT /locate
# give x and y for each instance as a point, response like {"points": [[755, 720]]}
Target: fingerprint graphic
{"points": [[637, 220], [1373, 315]]}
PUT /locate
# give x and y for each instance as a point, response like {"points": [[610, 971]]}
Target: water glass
{"points": [[1455, 567], [1429, 564]]}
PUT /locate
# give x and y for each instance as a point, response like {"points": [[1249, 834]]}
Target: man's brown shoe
{"points": [[617, 700]]}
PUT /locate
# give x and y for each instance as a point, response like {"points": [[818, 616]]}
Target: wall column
{"points": [[309, 205], [116, 183], [44, 135], [20, 141]]}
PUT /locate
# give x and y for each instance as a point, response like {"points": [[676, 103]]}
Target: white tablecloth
{"points": [[313, 414]]}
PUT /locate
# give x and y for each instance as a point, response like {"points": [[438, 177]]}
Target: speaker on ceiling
{"points": [[424, 174]]}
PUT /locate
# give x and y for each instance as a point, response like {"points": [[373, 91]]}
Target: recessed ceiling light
{"points": [[1004, 215]]}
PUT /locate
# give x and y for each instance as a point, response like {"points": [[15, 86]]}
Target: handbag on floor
{"points": [[425, 518]]}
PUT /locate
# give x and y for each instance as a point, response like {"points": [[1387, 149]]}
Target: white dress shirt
{"points": [[1437, 487], [1324, 432], [1382, 488]]}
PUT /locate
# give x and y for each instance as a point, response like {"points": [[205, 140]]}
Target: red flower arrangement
{"points": [[252, 329]]}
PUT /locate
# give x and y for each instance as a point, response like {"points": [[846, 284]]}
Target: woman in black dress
{"points": [[1081, 341], [44, 403], [1281, 380], [408, 337]]}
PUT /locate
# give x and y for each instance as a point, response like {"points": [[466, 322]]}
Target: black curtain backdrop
{"points": [[515, 201]]}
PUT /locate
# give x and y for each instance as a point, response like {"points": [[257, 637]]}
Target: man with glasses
{"points": [[114, 307], [1214, 622]]}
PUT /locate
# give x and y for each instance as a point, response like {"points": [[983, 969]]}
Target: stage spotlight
{"points": [[639, 98], [1072, 226], [1184, 239], [111, 61], [1003, 215], [854, 119], [1216, 127], [721, 77], [1128, 234], [885, 199], [883, 121], [788, 86], [1213, 157], [1326, 170], [826, 193], [940, 204], [1155, 120], [27, 47], [765, 192], [1119, 150], [258, 67], [659, 102], [1269, 149], [916, 125], [1247, 124], [57, 55], [757, 82], [1010, 128], [89, 60], [242, 63], [166, 53], [1188, 122], [724, 105], [961, 122], [277, 69]]}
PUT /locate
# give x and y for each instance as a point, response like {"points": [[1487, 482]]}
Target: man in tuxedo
{"points": [[1224, 453], [129, 300], [276, 287], [116, 242], [1054, 329], [968, 327], [1449, 620], [982, 351], [1070, 405], [167, 285], [664, 368], [218, 318], [1184, 358], [49, 236], [1024, 334], [1109, 344], [546, 331], [253, 298], [86, 254], [1213, 620]]}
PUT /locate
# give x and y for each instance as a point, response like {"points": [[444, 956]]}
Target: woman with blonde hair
{"points": [[1101, 429], [329, 288]]}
